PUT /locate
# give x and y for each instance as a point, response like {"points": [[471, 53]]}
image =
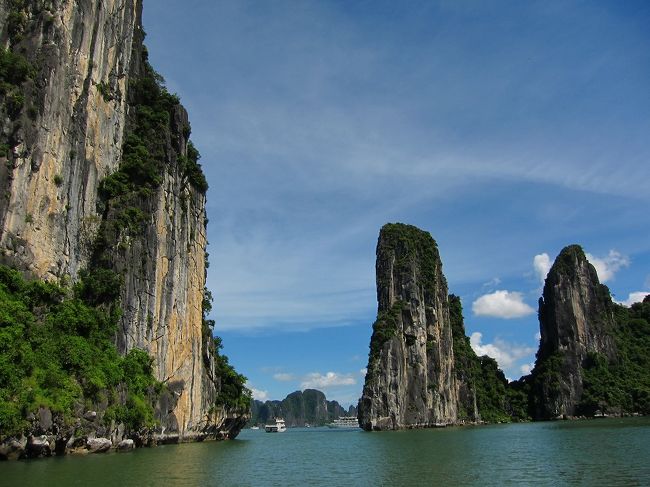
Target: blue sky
{"points": [[506, 129]]}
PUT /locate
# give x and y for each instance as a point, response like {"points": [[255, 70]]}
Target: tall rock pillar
{"points": [[576, 319], [410, 381]]}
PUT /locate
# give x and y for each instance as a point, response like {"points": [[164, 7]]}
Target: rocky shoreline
{"points": [[50, 436]]}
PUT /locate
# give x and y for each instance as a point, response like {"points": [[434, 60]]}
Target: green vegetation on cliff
{"points": [[495, 400], [596, 353], [14, 71], [18, 70], [233, 392], [546, 379], [384, 328], [413, 245], [622, 385], [619, 385], [56, 351], [17, 18], [147, 152]]}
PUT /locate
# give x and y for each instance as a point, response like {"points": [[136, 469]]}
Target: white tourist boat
{"points": [[277, 427], [344, 422]]}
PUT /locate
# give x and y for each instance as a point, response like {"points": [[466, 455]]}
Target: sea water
{"points": [[607, 452]]}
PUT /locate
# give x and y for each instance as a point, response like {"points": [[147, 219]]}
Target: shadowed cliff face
{"points": [[576, 319], [410, 380], [79, 109]]}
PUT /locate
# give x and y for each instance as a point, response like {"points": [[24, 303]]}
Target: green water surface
{"points": [[608, 452]]}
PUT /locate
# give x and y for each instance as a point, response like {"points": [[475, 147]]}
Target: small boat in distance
{"points": [[255, 427], [344, 422], [277, 427]]}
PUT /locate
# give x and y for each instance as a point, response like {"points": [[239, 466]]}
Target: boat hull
{"points": [[278, 427], [344, 422]]}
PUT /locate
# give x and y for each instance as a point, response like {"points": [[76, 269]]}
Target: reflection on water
{"points": [[606, 452]]}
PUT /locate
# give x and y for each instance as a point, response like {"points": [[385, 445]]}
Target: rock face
{"points": [[576, 318], [39, 446], [98, 445], [66, 139], [125, 445], [73, 136], [410, 380]]}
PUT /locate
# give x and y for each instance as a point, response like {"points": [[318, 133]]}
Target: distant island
{"points": [[593, 359], [300, 408]]}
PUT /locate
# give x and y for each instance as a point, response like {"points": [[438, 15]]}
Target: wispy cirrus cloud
{"points": [[283, 377], [320, 121], [492, 283], [301, 155]]}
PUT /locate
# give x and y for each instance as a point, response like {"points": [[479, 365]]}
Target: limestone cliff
{"points": [[577, 321], [97, 172], [68, 136], [410, 380]]}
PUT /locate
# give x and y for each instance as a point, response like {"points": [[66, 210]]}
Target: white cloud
{"points": [[502, 304], [542, 264], [609, 265], [538, 336], [259, 395], [635, 297], [526, 368], [363, 372], [506, 354], [283, 377], [316, 380]]}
